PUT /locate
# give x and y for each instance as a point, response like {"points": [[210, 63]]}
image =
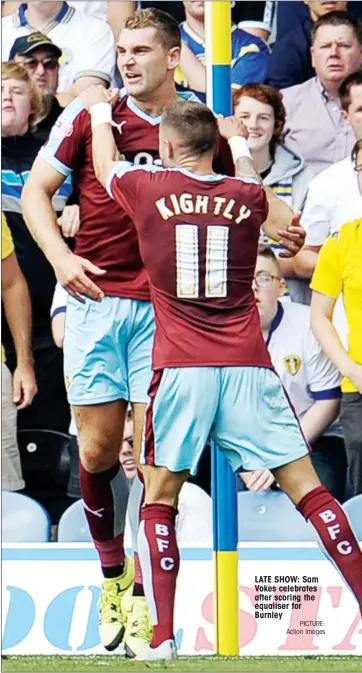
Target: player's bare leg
{"points": [[139, 417], [105, 494], [138, 633], [301, 483], [159, 556]]}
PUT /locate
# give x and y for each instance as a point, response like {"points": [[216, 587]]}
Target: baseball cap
{"points": [[27, 43]]}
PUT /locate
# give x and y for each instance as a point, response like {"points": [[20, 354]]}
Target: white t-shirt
{"points": [[306, 373], [59, 305], [91, 7], [333, 199], [87, 43]]}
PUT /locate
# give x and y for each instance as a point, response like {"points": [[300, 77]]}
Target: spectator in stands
{"points": [[290, 61], [17, 392], [249, 15], [334, 195], [339, 269], [315, 126], [289, 14], [87, 44], [261, 109], [57, 317], [310, 379], [40, 56], [21, 107], [250, 54], [127, 456], [104, 10]]}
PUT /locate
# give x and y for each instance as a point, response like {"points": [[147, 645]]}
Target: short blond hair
{"points": [[13, 70], [164, 24]]}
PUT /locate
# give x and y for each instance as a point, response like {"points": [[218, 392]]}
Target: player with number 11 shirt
{"points": [[108, 343], [198, 235]]}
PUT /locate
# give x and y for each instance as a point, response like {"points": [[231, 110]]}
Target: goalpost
{"points": [[224, 496]]}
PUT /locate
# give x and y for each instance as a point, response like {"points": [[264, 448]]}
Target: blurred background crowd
{"points": [[297, 86]]}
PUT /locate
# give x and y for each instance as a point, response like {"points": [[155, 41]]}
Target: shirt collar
{"points": [[275, 322], [57, 19], [191, 33], [323, 92], [321, 89]]}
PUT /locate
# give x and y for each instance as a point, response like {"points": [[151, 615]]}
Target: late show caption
{"points": [[276, 594]]}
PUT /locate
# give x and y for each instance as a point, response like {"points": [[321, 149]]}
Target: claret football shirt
{"points": [[107, 236], [198, 238]]}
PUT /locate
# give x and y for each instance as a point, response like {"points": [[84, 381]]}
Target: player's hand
{"points": [[293, 238], [355, 376], [69, 221], [24, 385], [98, 94], [71, 272], [258, 480], [230, 127]]}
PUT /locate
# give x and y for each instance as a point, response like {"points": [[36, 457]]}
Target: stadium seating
{"points": [[23, 519], [271, 517], [353, 509], [45, 460], [73, 525]]}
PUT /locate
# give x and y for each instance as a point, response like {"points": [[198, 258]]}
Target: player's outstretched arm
{"points": [[98, 102]]}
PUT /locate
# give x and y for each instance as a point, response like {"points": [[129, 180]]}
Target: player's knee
{"points": [[98, 456]]}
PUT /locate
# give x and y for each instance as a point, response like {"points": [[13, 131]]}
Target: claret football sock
{"points": [[160, 561], [338, 540], [105, 497]]}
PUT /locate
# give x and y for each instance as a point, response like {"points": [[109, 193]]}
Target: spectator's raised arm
{"points": [[17, 306]]}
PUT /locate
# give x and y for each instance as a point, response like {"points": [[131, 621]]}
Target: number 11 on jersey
{"points": [[188, 261]]}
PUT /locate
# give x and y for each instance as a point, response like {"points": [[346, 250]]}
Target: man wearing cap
{"points": [[87, 44], [40, 56]]}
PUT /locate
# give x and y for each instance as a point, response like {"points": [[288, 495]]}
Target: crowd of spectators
{"points": [[297, 86]]}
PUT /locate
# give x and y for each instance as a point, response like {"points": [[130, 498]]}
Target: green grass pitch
{"points": [[243, 664]]}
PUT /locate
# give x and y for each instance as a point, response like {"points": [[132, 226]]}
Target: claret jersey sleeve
{"points": [[63, 150]]}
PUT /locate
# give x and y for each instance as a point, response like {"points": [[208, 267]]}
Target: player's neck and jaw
{"points": [[153, 103], [200, 165]]}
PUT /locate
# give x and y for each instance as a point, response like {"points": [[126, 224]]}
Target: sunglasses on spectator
{"points": [[49, 63], [358, 169], [264, 279]]}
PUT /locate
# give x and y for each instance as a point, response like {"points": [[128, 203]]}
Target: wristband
{"points": [[239, 148], [101, 113]]}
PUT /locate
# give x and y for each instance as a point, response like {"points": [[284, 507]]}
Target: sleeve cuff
{"points": [[330, 394], [93, 73], [60, 309], [54, 162]]}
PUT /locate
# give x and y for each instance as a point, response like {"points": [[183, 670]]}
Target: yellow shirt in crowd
{"points": [[7, 247], [339, 269]]}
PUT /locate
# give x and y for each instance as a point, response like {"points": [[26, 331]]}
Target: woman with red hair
{"points": [[261, 109]]}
